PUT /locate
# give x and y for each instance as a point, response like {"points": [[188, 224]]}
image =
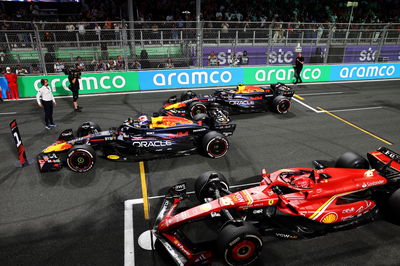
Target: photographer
{"points": [[73, 76]]}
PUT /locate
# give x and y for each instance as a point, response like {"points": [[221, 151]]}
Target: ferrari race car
{"points": [[245, 99], [162, 136], [290, 203]]}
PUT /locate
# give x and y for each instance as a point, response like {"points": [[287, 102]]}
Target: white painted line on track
{"points": [[306, 105], [321, 93], [129, 245], [354, 109], [208, 88], [129, 242], [10, 113]]}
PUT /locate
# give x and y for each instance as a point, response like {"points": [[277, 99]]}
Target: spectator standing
{"points": [[234, 61], [45, 100], [213, 60], [137, 65], [120, 64], [20, 71], [169, 63], [74, 86], [81, 31], [12, 84], [244, 59], [59, 66], [100, 66], [97, 29], [299, 67], [111, 64], [79, 64]]}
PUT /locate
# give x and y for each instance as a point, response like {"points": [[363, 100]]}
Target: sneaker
{"points": [[47, 127], [80, 107], [77, 110], [53, 125]]}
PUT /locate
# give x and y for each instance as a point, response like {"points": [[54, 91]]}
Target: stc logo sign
{"points": [[367, 55], [150, 80], [281, 57], [368, 71]]}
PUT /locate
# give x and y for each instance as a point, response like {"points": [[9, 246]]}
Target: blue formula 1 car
{"points": [[142, 139], [245, 99]]}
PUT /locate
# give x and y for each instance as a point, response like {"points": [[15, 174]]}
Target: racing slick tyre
{"points": [[239, 244], [188, 95], [81, 158], [206, 183], [394, 205], [197, 108], [352, 160], [215, 144], [281, 104], [87, 128]]}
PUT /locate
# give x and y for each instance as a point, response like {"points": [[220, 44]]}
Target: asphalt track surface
{"points": [[64, 218]]}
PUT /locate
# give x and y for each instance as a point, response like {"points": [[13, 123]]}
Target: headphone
{"points": [[42, 81]]}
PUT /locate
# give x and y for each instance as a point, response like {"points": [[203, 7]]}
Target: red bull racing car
{"points": [[245, 99], [142, 139], [289, 203]]}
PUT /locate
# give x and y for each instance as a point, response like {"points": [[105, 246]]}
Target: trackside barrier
{"points": [[207, 77]]}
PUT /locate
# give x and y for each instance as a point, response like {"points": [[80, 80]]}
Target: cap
{"points": [[8, 69]]}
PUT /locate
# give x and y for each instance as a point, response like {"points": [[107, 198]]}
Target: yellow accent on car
{"points": [[113, 157], [57, 147], [174, 106]]}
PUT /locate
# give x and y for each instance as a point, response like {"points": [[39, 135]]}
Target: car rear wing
{"points": [[386, 162]]}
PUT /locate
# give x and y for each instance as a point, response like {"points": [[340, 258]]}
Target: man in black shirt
{"points": [[299, 67], [73, 78]]}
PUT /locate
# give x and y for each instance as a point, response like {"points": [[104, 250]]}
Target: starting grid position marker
{"points": [[22, 160]]}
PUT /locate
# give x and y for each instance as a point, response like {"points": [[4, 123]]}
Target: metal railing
{"points": [[36, 45]]}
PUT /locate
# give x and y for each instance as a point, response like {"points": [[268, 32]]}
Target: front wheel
{"points": [[81, 158], [215, 144], [206, 183], [87, 128], [281, 104], [239, 244]]}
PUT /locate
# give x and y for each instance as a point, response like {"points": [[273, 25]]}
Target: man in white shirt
{"points": [[45, 99]]}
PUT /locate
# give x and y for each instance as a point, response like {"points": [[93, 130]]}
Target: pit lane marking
{"points": [[144, 191], [322, 93], [298, 97], [356, 109], [10, 113], [129, 242], [355, 126]]}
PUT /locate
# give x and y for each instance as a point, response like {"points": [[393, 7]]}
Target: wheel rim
{"points": [[80, 161], [198, 109], [243, 250], [283, 106], [217, 147]]}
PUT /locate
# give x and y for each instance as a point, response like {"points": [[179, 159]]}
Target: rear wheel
{"points": [[394, 205], [87, 128], [239, 244], [81, 158], [281, 104], [207, 182], [352, 160], [215, 144], [197, 108]]}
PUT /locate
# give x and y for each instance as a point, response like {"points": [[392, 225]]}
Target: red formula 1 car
{"points": [[289, 203]]}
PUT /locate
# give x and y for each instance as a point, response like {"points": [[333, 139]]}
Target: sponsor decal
{"points": [[288, 236], [182, 247], [198, 130], [371, 184], [89, 83], [260, 211], [271, 202], [189, 78], [349, 210], [367, 54], [113, 157], [256, 98], [225, 201], [369, 173], [238, 197], [329, 218], [205, 207], [365, 71], [156, 143], [241, 102]]}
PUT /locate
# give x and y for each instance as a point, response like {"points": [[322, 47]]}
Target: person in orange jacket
{"points": [[12, 84]]}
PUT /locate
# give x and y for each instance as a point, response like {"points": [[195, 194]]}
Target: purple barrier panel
{"points": [[392, 52], [367, 53], [257, 55]]}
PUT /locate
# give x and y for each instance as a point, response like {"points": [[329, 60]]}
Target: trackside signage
{"points": [[365, 71], [90, 83], [165, 79], [257, 75]]}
